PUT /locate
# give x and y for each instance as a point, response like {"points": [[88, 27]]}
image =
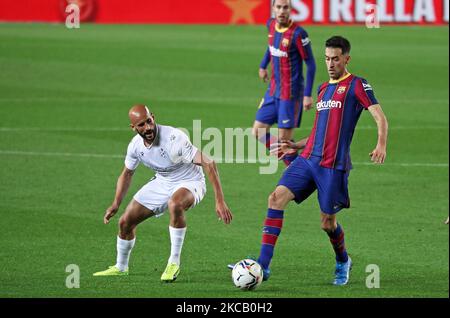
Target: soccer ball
{"points": [[247, 274]]}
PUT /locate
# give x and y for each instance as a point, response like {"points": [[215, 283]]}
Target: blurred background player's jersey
{"points": [[287, 50], [339, 107]]}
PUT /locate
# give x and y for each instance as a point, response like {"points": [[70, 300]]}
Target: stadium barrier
{"points": [[433, 12]]}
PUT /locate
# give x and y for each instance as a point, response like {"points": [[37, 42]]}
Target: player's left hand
{"points": [[285, 146], [307, 103], [223, 212], [378, 155]]}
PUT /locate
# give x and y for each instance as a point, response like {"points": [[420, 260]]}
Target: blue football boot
{"points": [[342, 272]]}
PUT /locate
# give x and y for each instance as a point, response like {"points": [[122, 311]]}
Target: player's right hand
{"points": [[223, 212], [378, 155], [263, 75], [110, 212]]}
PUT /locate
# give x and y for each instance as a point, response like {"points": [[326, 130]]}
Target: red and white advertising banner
{"points": [[427, 12], [360, 11]]}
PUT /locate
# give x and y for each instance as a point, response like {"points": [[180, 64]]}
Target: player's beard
{"points": [[283, 22], [337, 75], [148, 135], [333, 75]]}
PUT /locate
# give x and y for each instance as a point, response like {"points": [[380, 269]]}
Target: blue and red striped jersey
{"points": [[340, 104], [288, 49]]}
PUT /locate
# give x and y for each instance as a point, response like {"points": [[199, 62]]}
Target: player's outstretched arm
{"points": [[378, 155], [123, 183], [210, 167]]}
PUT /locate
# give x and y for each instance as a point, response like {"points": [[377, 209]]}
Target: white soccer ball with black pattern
{"points": [[247, 274]]}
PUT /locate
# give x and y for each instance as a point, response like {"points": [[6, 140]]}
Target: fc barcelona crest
{"points": [[341, 89], [285, 42]]}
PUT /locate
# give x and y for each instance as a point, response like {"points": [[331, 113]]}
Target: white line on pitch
{"points": [[58, 154], [106, 129], [413, 164], [218, 160], [245, 99], [19, 129]]}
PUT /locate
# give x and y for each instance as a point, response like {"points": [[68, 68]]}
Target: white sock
{"points": [[123, 253], [176, 241]]}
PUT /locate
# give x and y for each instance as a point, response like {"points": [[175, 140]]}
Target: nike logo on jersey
{"points": [[285, 121]]}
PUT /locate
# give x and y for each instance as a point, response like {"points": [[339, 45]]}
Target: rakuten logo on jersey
{"points": [[329, 104], [277, 52]]}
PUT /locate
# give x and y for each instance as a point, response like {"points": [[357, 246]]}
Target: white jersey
{"points": [[170, 155]]}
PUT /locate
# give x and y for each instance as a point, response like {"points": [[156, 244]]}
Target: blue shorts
{"points": [[304, 176], [286, 113]]}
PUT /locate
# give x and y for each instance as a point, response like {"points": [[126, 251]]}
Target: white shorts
{"points": [[155, 195]]}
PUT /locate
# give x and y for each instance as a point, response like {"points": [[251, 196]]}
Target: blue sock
{"points": [[271, 231], [338, 242]]}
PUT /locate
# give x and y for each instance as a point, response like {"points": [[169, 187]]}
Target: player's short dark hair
{"points": [[340, 43], [273, 3]]}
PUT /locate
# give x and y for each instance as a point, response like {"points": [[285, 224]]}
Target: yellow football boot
{"points": [[112, 271], [170, 273]]}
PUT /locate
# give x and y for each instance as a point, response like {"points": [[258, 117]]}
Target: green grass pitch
{"points": [[64, 97]]}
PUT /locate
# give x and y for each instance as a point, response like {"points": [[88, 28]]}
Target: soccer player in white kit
{"points": [[179, 184]]}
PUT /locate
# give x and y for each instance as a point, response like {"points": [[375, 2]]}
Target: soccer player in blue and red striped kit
{"points": [[287, 95], [324, 164]]}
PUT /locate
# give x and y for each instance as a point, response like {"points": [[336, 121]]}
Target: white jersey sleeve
{"points": [[131, 159], [180, 148]]}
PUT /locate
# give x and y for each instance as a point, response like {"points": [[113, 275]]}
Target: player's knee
{"points": [[328, 225], [275, 202], [255, 132], [175, 207], [125, 224]]}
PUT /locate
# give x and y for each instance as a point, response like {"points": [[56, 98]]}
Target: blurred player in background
{"points": [[324, 164], [287, 95], [179, 184]]}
